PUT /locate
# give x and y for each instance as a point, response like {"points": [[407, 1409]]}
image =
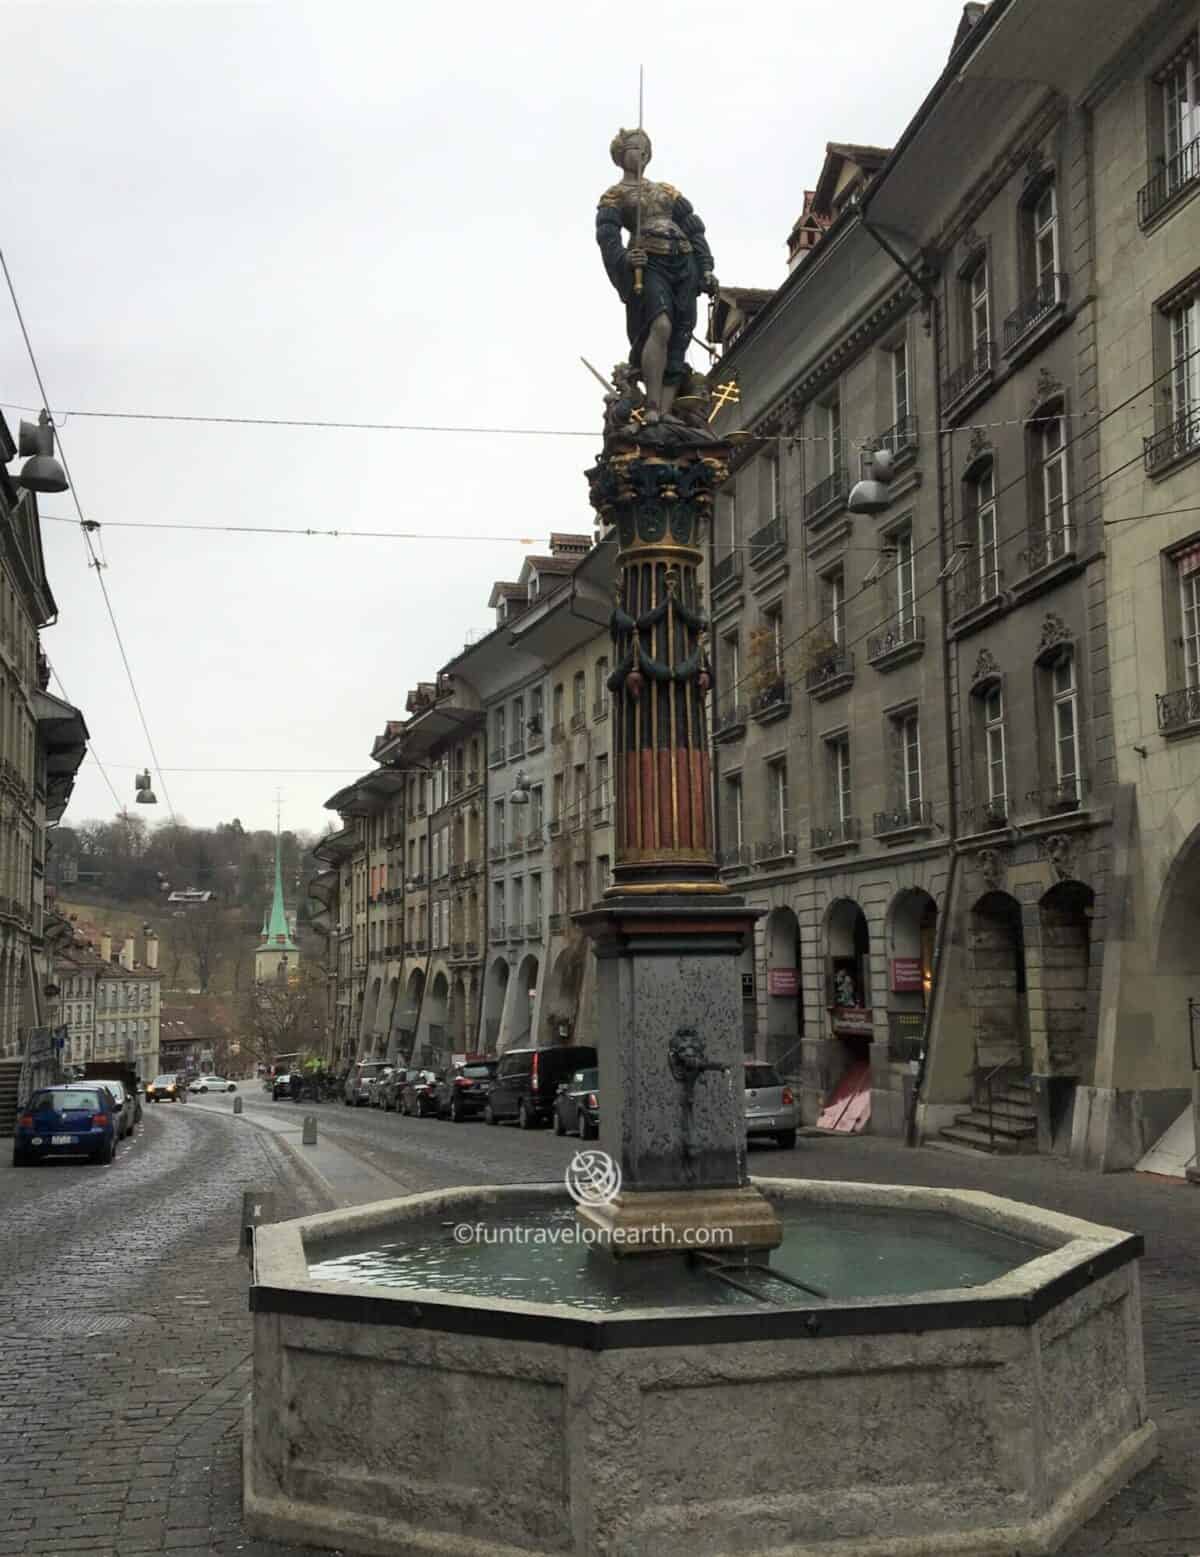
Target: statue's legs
{"points": [[654, 363]]}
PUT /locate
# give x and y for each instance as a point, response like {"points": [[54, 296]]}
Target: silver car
{"points": [[125, 1105], [770, 1106], [361, 1080]]}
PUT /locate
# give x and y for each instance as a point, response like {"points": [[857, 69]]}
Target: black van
{"points": [[528, 1080]]}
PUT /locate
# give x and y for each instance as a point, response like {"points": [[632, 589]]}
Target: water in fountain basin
{"points": [[536, 1254]]}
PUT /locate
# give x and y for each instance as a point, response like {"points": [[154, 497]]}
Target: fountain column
{"points": [[669, 935]]}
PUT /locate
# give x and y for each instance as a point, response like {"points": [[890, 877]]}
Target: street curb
{"points": [[316, 1179]]}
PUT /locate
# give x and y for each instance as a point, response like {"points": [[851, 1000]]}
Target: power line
{"points": [[96, 561], [255, 529], [333, 425]]}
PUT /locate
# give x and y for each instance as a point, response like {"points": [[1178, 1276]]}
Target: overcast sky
{"points": [[362, 212]]}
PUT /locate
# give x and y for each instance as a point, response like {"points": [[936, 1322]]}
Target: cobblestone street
{"points": [[123, 1313]]}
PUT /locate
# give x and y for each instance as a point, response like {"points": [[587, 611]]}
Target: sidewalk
{"points": [[346, 1180]]}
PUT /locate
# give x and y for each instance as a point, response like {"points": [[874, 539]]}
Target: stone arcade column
{"points": [[669, 936]]}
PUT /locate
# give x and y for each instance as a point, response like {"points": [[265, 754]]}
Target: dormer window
{"points": [[534, 586]]}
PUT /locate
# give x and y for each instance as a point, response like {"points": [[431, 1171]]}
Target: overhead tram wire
{"points": [[87, 536]]}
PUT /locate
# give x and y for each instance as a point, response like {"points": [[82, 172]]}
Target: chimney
{"points": [[127, 953], [105, 947], [151, 951]]}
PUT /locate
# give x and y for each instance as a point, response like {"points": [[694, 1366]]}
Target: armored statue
{"points": [[659, 275]]}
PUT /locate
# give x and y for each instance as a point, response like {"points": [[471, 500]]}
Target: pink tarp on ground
{"points": [[849, 1107]]}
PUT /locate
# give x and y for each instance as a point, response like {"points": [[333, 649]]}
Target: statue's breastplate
{"points": [[657, 203]]}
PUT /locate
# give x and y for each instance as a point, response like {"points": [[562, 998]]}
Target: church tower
{"points": [[278, 956]]}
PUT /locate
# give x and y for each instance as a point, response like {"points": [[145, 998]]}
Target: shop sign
{"points": [[783, 981], [908, 976], [851, 1019]]}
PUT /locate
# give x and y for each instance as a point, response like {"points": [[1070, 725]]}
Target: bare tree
{"points": [[285, 1016]]}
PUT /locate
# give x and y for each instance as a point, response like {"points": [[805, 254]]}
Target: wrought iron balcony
{"points": [[578, 817], [472, 778], [837, 835], [739, 857], [1178, 173], [831, 675], [827, 496], [909, 816], [726, 573], [600, 708], [977, 366], [600, 814], [903, 637], [782, 846], [901, 437], [988, 817], [579, 719], [497, 756], [516, 748], [769, 542], [1048, 296], [534, 839], [535, 731], [771, 702], [1066, 795], [729, 722], [973, 589], [1178, 710], [497, 850], [496, 931], [516, 843], [1051, 546], [1178, 438]]}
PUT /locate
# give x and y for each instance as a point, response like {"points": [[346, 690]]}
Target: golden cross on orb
{"points": [[725, 394]]}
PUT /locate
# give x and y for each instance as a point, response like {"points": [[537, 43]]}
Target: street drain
{"points": [[73, 1326]]}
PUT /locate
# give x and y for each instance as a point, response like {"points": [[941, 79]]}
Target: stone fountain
{"points": [[806, 1369]]}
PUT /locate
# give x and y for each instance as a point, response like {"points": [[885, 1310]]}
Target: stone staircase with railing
{"points": [[1009, 1127], [10, 1078]]}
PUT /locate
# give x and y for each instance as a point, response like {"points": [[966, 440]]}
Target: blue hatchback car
{"points": [[78, 1119]]}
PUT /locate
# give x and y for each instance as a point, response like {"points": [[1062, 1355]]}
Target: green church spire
{"points": [[279, 935]]}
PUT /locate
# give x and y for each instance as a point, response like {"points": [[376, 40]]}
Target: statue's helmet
{"points": [[623, 140]]}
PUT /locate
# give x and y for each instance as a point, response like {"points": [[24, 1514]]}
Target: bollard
{"points": [[309, 1138], [258, 1207], [237, 1105]]}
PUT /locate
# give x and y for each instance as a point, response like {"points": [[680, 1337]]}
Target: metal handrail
{"points": [[988, 1081]]}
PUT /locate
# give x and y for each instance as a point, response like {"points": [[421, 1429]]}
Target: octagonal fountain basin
{"points": [[923, 1372]]}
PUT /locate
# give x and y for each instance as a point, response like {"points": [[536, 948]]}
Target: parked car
{"points": [[79, 1119], [375, 1097], [770, 1106], [419, 1095], [361, 1079], [168, 1088], [281, 1086], [389, 1089], [103, 1070], [527, 1082], [122, 1104], [462, 1093], [212, 1084], [577, 1106]]}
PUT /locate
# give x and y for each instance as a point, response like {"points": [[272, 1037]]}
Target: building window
{"points": [[603, 874], [900, 405], [730, 517], [602, 797], [535, 899], [834, 604], [518, 724], [1051, 491], [734, 814], [907, 732], [776, 478], [777, 796], [774, 623], [557, 814], [840, 780], [731, 663], [578, 693], [1184, 324], [535, 711], [578, 793], [979, 313], [516, 899], [833, 434], [581, 886], [1187, 567], [558, 705], [983, 502], [498, 906], [905, 578], [1044, 235], [1066, 724], [537, 803], [1181, 118], [601, 685], [995, 752], [498, 731], [498, 825]]}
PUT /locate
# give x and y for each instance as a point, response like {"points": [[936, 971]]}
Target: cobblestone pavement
{"points": [[124, 1342], [124, 1281]]}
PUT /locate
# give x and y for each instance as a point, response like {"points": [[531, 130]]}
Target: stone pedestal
{"points": [[666, 967]]}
